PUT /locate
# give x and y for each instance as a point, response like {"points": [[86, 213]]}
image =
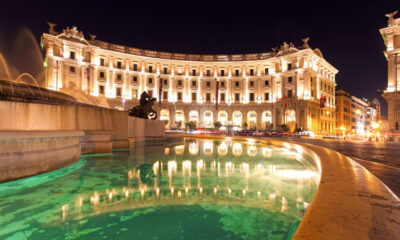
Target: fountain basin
{"points": [[28, 153]]}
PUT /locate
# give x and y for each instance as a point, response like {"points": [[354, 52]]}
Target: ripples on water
{"points": [[202, 189]]}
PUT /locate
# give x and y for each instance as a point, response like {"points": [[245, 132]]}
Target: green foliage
{"points": [[166, 122], [218, 125], [191, 125], [284, 128], [245, 125]]}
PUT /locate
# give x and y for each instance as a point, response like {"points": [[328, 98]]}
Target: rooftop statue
{"points": [[391, 20], [144, 110], [305, 42], [51, 28]]}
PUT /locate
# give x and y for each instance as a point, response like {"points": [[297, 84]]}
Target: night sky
{"points": [[347, 33]]}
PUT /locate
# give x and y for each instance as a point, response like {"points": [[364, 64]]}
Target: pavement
{"points": [[380, 158]]}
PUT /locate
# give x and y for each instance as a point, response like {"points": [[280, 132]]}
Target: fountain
{"points": [[23, 76]]}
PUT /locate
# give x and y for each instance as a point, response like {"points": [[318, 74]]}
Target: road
{"points": [[382, 159]]}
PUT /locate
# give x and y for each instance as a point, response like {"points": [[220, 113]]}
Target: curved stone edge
{"points": [[28, 153], [350, 203]]}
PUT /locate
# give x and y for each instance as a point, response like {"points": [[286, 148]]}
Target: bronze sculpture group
{"points": [[144, 110]]}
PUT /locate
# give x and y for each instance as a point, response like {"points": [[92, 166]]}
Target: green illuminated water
{"points": [[203, 189]]}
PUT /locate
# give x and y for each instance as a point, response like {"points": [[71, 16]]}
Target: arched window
{"points": [[194, 116], [164, 115], [222, 117], [179, 119], [252, 119], [208, 119], [237, 118]]}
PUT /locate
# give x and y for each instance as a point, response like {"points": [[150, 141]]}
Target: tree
{"points": [[284, 128], [166, 122], [191, 125], [217, 125], [245, 125]]}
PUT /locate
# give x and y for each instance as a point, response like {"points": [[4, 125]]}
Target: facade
{"points": [[355, 117], [263, 90], [343, 112], [391, 37]]}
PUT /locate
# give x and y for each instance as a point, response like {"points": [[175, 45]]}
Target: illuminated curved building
{"points": [[261, 90]]}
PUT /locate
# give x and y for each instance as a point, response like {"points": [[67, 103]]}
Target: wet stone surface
{"points": [[380, 158]]}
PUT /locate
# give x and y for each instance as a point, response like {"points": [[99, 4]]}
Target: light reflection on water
{"points": [[220, 173]]}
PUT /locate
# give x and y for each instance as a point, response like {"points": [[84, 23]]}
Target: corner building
{"points": [[262, 90]]}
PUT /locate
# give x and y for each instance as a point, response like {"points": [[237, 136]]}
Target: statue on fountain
{"points": [[144, 110]]}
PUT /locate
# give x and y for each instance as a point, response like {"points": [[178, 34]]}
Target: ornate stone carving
{"points": [[391, 20], [144, 110], [92, 37], [51, 28], [305, 42]]}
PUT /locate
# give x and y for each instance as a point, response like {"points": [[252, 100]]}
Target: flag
{"points": [[322, 101], [160, 92], [216, 93], [285, 103], [88, 78]]}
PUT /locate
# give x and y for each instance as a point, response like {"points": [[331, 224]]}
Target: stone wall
{"points": [[30, 153]]}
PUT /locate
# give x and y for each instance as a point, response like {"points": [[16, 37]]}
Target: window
{"points": [[134, 79], [72, 55], [193, 72], [101, 74], [165, 82], [179, 96], [194, 97], [237, 97], [150, 69], [135, 67], [179, 82], [150, 92], [266, 71], [289, 66], [290, 79], [165, 70], [208, 84], [101, 61], [165, 95], [222, 84], [251, 83], [208, 97], [119, 76], [222, 72], [193, 83], [290, 93], [311, 80], [251, 97], [72, 69], [119, 65], [208, 72], [118, 92], [236, 84], [236, 72], [134, 93], [251, 72], [150, 80], [222, 97], [101, 90], [266, 82], [266, 96], [312, 93]]}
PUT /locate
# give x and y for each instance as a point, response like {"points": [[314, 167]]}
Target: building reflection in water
{"points": [[262, 177]]}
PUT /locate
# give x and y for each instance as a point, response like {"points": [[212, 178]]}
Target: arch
{"points": [[237, 118], [290, 119], [252, 119], [266, 119], [179, 118], [164, 115], [222, 117], [208, 119], [194, 116]]}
